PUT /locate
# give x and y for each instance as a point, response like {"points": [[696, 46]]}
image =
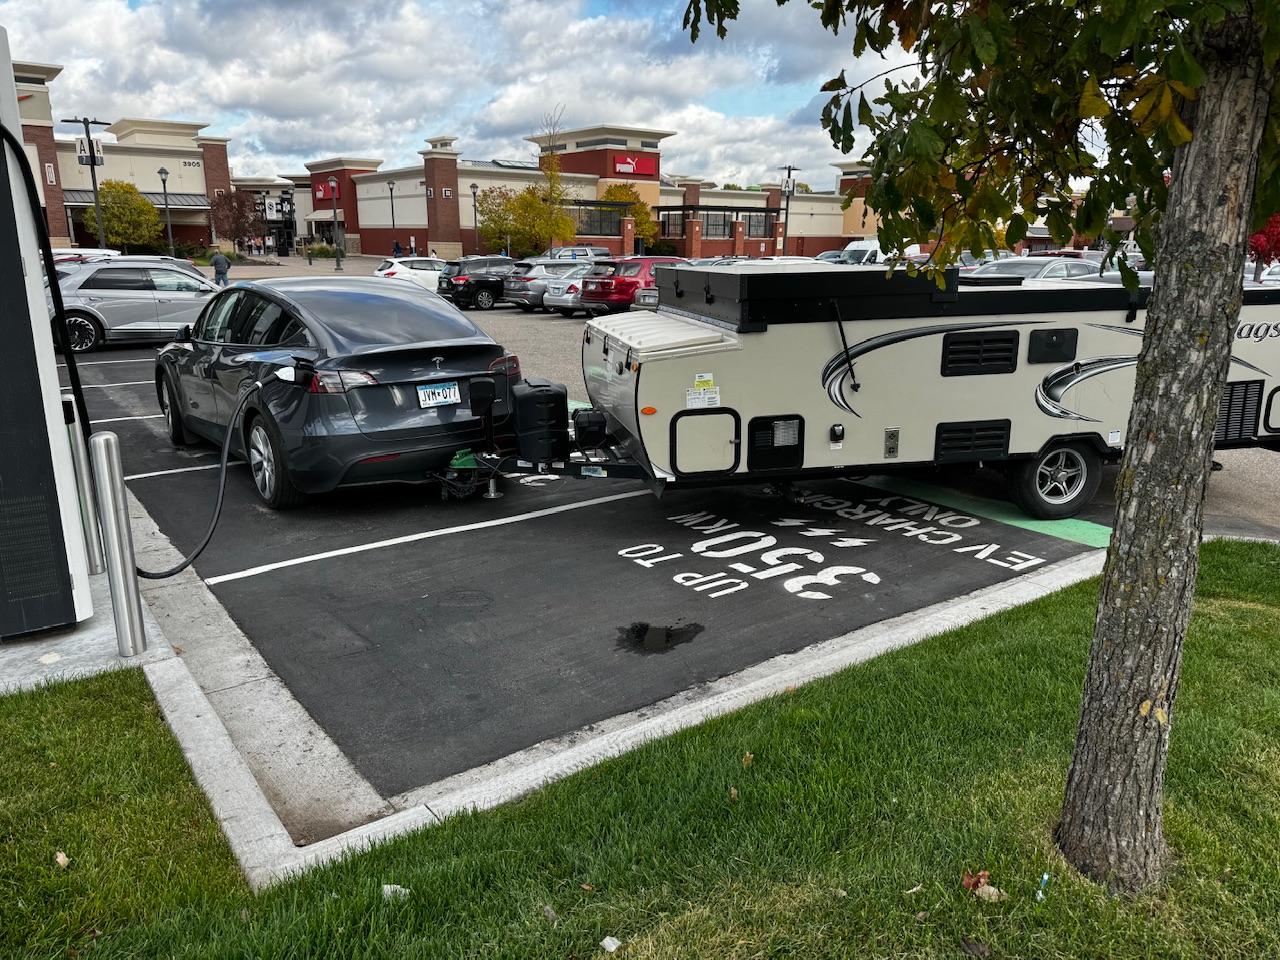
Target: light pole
{"points": [[788, 188], [337, 247], [475, 212], [391, 188], [168, 219], [93, 170]]}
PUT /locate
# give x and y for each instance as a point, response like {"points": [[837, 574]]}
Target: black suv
{"points": [[474, 281]]}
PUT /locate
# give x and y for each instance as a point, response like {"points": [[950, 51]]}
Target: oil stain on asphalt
{"points": [[646, 638]]}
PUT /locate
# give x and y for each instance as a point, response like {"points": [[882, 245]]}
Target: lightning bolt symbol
{"points": [[819, 532], [850, 542]]}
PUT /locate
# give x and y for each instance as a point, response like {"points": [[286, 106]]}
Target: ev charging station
{"points": [[44, 568]]}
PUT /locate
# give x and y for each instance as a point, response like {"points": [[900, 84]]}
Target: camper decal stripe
{"points": [[835, 374]]}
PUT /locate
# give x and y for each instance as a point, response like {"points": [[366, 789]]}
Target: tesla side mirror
{"points": [[484, 391], [184, 334]]}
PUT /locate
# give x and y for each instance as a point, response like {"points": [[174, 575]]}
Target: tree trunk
{"points": [[1112, 817]]}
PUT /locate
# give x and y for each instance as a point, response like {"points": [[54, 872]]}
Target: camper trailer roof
{"points": [[750, 298]]}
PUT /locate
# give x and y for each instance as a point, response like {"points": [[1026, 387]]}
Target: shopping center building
{"points": [[430, 204]]}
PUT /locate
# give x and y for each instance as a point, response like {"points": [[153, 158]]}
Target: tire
{"points": [[1058, 481], [566, 312], [172, 411], [525, 308], [484, 300], [83, 333], [266, 465]]}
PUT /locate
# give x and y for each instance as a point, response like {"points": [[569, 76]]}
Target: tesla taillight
{"points": [[509, 365], [340, 381]]}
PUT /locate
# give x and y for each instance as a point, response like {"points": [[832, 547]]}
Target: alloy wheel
{"points": [[81, 334], [484, 299], [1061, 476], [262, 462]]}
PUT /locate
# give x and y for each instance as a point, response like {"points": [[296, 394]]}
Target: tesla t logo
{"points": [[437, 361], [641, 165]]}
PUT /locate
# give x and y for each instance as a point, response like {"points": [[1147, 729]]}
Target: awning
{"points": [[189, 201], [318, 215]]}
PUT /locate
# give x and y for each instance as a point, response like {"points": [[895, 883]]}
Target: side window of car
{"points": [[1083, 268], [245, 321], [1055, 270], [264, 322], [289, 331], [217, 319], [174, 281], [117, 278]]}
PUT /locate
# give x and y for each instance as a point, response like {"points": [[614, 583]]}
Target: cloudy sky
{"points": [[296, 80]]}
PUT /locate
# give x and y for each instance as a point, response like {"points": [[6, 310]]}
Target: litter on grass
{"points": [[610, 944], [393, 891]]}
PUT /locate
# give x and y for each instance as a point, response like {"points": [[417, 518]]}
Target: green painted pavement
{"points": [[1077, 531]]}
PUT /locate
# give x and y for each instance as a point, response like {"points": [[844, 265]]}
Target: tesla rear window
{"points": [[382, 320]]}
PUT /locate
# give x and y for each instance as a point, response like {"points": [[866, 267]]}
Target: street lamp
{"points": [[337, 248], [168, 219], [475, 214], [391, 188]]}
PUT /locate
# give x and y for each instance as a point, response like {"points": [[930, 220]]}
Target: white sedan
{"points": [[424, 271]]}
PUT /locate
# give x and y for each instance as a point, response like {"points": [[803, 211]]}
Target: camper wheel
{"points": [[1058, 481]]}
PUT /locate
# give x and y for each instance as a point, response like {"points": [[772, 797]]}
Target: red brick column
{"points": [[444, 230], [628, 235], [217, 174], [739, 238], [42, 139], [693, 237]]}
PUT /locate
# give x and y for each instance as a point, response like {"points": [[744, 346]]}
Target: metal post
{"points": [[391, 188], [493, 493], [93, 171], [84, 489], [337, 247], [168, 219], [117, 540], [789, 188]]}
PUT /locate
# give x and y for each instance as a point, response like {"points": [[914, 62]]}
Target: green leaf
{"points": [[1181, 66], [1016, 231], [984, 44], [865, 116], [1128, 276], [1092, 102]]}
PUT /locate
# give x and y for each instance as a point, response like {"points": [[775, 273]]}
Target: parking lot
{"points": [[427, 637]]}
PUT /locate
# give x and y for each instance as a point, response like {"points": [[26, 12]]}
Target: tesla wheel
{"points": [[1057, 482], [566, 312], [83, 333], [172, 411], [267, 466], [484, 300]]}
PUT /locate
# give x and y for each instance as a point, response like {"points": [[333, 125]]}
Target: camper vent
{"points": [[1238, 411], [975, 440], [775, 443], [983, 351]]}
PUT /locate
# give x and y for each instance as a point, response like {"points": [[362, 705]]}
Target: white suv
{"points": [[424, 271]]}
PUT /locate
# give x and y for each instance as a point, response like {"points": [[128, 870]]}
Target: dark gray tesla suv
{"points": [[381, 390]]}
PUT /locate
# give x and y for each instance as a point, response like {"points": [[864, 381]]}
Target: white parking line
{"points": [[424, 535], [95, 363], [149, 416], [165, 473], [104, 386]]}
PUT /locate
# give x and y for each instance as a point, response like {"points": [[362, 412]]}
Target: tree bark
{"points": [[1112, 818]]}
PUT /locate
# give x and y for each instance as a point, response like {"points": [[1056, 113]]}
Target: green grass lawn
{"points": [[866, 797]]}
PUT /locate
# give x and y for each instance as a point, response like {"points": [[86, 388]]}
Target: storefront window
{"points": [[717, 226], [672, 223], [759, 224], [598, 221]]}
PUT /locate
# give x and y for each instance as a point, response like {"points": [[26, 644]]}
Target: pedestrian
{"points": [[220, 265], [396, 249], [434, 254]]}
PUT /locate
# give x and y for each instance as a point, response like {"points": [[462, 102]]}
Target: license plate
{"points": [[439, 394]]}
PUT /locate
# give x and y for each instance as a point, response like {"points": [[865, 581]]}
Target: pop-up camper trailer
{"points": [[803, 371]]}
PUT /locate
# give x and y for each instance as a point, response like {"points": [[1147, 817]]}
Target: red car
{"points": [[611, 285]]}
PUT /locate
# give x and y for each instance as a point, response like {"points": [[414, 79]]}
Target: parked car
{"points": [[564, 293], [181, 263], [646, 299], [1072, 253], [712, 261], [526, 284], [832, 256], [1270, 274], [1037, 268], [381, 387], [465, 266], [424, 271], [611, 285], [456, 279], [128, 298], [577, 253]]}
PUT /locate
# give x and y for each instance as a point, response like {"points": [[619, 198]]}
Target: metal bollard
{"points": [[337, 258], [117, 540], [493, 493], [309, 260], [84, 490]]}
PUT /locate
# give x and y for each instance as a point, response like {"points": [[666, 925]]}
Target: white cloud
{"points": [[292, 81]]}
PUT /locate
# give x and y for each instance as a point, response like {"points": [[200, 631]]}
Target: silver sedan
{"points": [[111, 300], [564, 293]]}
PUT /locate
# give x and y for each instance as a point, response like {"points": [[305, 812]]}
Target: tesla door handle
{"points": [[163, 300]]}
